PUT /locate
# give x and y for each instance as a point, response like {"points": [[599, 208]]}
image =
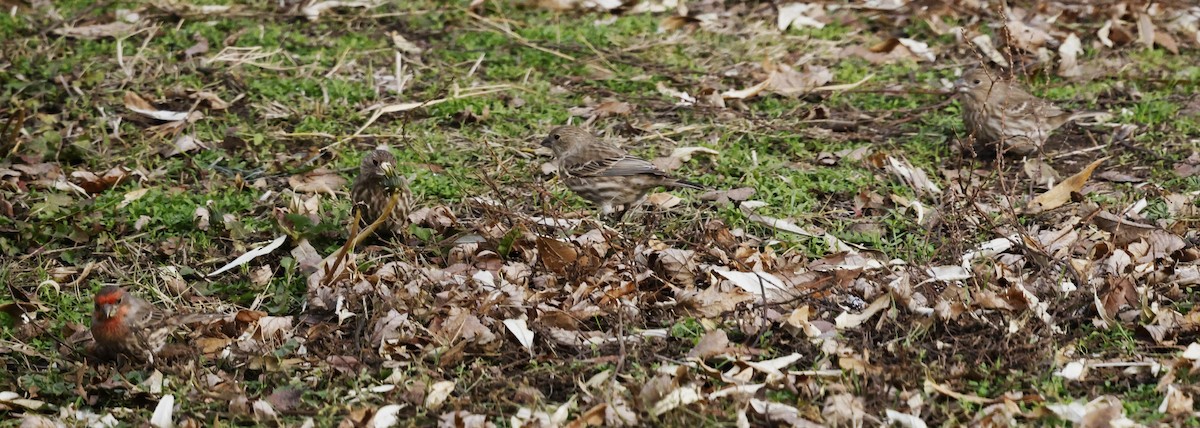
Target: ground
{"points": [[835, 274]]}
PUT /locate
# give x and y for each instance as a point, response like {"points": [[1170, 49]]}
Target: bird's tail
{"points": [[687, 184], [184, 319], [1087, 114]]}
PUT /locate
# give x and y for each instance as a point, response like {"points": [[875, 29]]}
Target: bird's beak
{"points": [[546, 142], [385, 168], [960, 85], [109, 310]]}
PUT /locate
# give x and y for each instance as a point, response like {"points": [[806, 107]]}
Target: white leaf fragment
{"points": [[521, 331], [163, 412], [252, 254]]}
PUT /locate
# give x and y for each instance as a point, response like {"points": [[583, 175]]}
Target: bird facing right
{"points": [[372, 190], [1000, 112], [605, 174]]}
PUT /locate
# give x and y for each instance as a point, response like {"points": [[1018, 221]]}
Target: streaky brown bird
{"points": [[604, 174], [373, 188], [996, 111]]}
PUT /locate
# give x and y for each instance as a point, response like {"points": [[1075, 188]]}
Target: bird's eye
{"points": [[555, 136], [977, 81]]}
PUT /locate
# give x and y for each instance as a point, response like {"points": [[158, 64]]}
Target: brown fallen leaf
{"points": [[788, 82], [712, 344], [726, 196], [320, 180], [1061, 193], [556, 255], [94, 184]]}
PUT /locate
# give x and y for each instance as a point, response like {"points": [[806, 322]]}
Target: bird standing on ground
{"points": [[996, 111], [604, 174], [377, 181], [124, 324]]}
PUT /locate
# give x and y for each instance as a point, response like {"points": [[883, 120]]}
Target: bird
{"points": [[126, 325], [604, 174], [373, 188], [996, 111]]}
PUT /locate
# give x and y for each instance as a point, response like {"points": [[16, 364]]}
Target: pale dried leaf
{"points": [[800, 15], [913, 177], [788, 82], [1068, 57], [132, 196], [983, 42], [438, 393], [320, 180], [163, 412], [313, 11], [681, 155], [1061, 194], [681, 396], [710, 345], [251, 255], [136, 103], [521, 331], [183, 144], [847, 320], [98, 31], [903, 420]]}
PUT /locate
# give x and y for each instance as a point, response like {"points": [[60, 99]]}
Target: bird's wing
{"points": [[154, 317], [632, 165], [1022, 104], [615, 166], [603, 160]]}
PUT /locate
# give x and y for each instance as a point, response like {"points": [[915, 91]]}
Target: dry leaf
{"points": [[1027, 37], [313, 11], [556, 255], [800, 15], [785, 81], [91, 32], [182, 144], [320, 180], [1068, 57], [681, 155], [1145, 31], [983, 43], [136, 103], [1061, 193], [710, 345], [200, 47], [93, 184]]}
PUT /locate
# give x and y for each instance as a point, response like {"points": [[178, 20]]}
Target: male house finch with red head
{"points": [[604, 174], [372, 190], [124, 324], [1001, 112]]}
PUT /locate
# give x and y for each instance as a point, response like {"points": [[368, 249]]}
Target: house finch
{"points": [[605, 174], [377, 181], [124, 324], [997, 111]]}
